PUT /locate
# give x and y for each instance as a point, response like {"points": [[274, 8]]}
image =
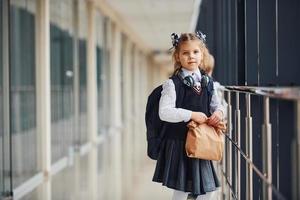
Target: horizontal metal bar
{"points": [[59, 165], [28, 186], [101, 138], [287, 93], [85, 148]]}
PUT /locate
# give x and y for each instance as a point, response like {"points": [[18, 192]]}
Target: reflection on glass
{"points": [[101, 75], [62, 105], [100, 79], [22, 90], [82, 61], [103, 56], [82, 75]]}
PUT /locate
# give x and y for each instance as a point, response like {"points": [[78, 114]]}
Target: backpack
{"points": [[154, 125]]}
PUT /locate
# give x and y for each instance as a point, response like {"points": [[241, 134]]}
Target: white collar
{"points": [[197, 73]]}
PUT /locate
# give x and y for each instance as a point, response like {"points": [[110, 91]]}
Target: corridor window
{"points": [[82, 62], [101, 70], [23, 90], [62, 64]]}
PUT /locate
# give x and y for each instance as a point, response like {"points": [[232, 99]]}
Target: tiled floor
{"points": [[71, 185], [145, 189]]}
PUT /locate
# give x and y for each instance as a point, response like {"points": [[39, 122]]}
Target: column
{"points": [[43, 94], [144, 96], [92, 102], [135, 102], [115, 114], [127, 102]]}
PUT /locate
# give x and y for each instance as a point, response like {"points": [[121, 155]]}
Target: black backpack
{"points": [[155, 126], [153, 123]]}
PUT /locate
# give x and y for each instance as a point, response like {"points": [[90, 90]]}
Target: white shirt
{"points": [[167, 103]]}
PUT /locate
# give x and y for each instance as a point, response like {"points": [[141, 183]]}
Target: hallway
{"points": [[75, 76]]}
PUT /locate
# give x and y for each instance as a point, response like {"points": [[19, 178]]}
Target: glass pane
{"points": [[1, 104], [82, 56], [23, 90], [103, 94], [102, 70], [62, 105]]}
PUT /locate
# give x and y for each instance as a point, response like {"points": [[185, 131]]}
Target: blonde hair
{"points": [[209, 64], [184, 37]]}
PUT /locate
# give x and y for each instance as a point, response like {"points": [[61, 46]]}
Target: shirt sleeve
{"points": [[215, 103], [167, 105]]}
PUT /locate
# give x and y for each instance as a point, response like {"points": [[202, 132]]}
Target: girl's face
{"points": [[190, 55]]}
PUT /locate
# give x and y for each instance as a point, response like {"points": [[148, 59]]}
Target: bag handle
{"points": [[221, 128]]}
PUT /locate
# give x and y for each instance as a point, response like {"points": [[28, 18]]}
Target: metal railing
{"points": [[233, 146]]}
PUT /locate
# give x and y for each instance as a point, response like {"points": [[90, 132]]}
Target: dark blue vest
{"points": [[188, 98]]}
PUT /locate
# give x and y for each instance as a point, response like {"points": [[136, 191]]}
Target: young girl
{"points": [[178, 105]]}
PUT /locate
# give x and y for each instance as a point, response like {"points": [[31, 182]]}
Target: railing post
{"points": [[238, 141], [296, 155], [229, 146], [222, 177], [267, 149], [249, 172], [224, 168]]}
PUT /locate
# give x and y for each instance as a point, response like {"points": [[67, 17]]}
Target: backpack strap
{"points": [[178, 89]]}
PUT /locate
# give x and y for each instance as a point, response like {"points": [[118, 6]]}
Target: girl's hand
{"points": [[198, 117], [215, 118]]}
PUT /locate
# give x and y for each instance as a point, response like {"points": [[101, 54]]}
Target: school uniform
{"points": [[173, 168]]}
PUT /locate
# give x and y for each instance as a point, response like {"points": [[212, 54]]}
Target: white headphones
{"points": [[190, 82]]}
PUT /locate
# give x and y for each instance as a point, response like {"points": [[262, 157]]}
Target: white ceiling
{"points": [[154, 20]]}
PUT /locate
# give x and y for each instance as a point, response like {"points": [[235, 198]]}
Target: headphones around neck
{"points": [[190, 82]]}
